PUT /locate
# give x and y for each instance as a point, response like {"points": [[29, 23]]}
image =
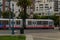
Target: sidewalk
{"points": [[29, 37]]}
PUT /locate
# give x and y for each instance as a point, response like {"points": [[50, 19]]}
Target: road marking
{"points": [[29, 37]]}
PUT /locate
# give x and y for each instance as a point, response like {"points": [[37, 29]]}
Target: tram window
{"points": [[0, 22], [50, 23], [5, 22], [18, 22], [45, 22], [38, 22], [34, 22], [29, 22]]}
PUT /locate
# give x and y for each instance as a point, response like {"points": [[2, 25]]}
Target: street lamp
{"points": [[12, 17]]}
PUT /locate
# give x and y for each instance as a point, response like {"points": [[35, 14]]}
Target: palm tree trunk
{"points": [[24, 21]]}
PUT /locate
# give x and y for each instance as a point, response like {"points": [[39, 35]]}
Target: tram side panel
{"points": [[18, 23], [38, 23]]}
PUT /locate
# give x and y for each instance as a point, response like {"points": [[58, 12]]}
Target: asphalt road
{"points": [[46, 34], [29, 31], [39, 34]]}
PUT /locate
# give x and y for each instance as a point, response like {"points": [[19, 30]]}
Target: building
{"points": [[1, 7], [44, 7], [40, 7], [14, 8], [58, 8], [17, 9], [1, 3]]}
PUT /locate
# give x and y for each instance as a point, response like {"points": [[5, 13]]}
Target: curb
{"points": [[10, 34]]}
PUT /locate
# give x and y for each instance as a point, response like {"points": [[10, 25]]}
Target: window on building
{"points": [[39, 13], [50, 0], [42, 13], [38, 1], [40, 4], [0, 3], [46, 6], [6, 8], [12, 7], [7, 4], [41, 7], [36, 8]]}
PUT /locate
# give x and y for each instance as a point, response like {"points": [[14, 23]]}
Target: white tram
{"points": [[39, 23], [30, 23], [7, 23]]}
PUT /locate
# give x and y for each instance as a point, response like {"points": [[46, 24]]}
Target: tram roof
{"points": [[9, 19], [40, 19]]}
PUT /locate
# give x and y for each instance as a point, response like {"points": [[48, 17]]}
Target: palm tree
{"points": [[21, 15], [24, 4]]}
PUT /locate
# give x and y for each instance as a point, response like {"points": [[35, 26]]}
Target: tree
{"points": [[21, 15], [56, 19], [24, 4], [35, 16], [53, 17], [8, 14]]}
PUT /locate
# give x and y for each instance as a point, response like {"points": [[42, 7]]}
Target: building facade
{"points": [[40, 7], [58, 7], [44, 7], [1, 2]]}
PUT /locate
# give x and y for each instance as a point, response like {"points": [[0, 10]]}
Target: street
{"points": [[39, 34], [46, 34]]}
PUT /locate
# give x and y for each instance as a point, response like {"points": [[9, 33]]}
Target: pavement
{"points": [[29, 37]]}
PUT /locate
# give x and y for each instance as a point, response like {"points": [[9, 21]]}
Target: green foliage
{"points": [[12, 37], [56, 19], [8, 14], [53, 17], [21, 15], [23, 3], [35, 16]]}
